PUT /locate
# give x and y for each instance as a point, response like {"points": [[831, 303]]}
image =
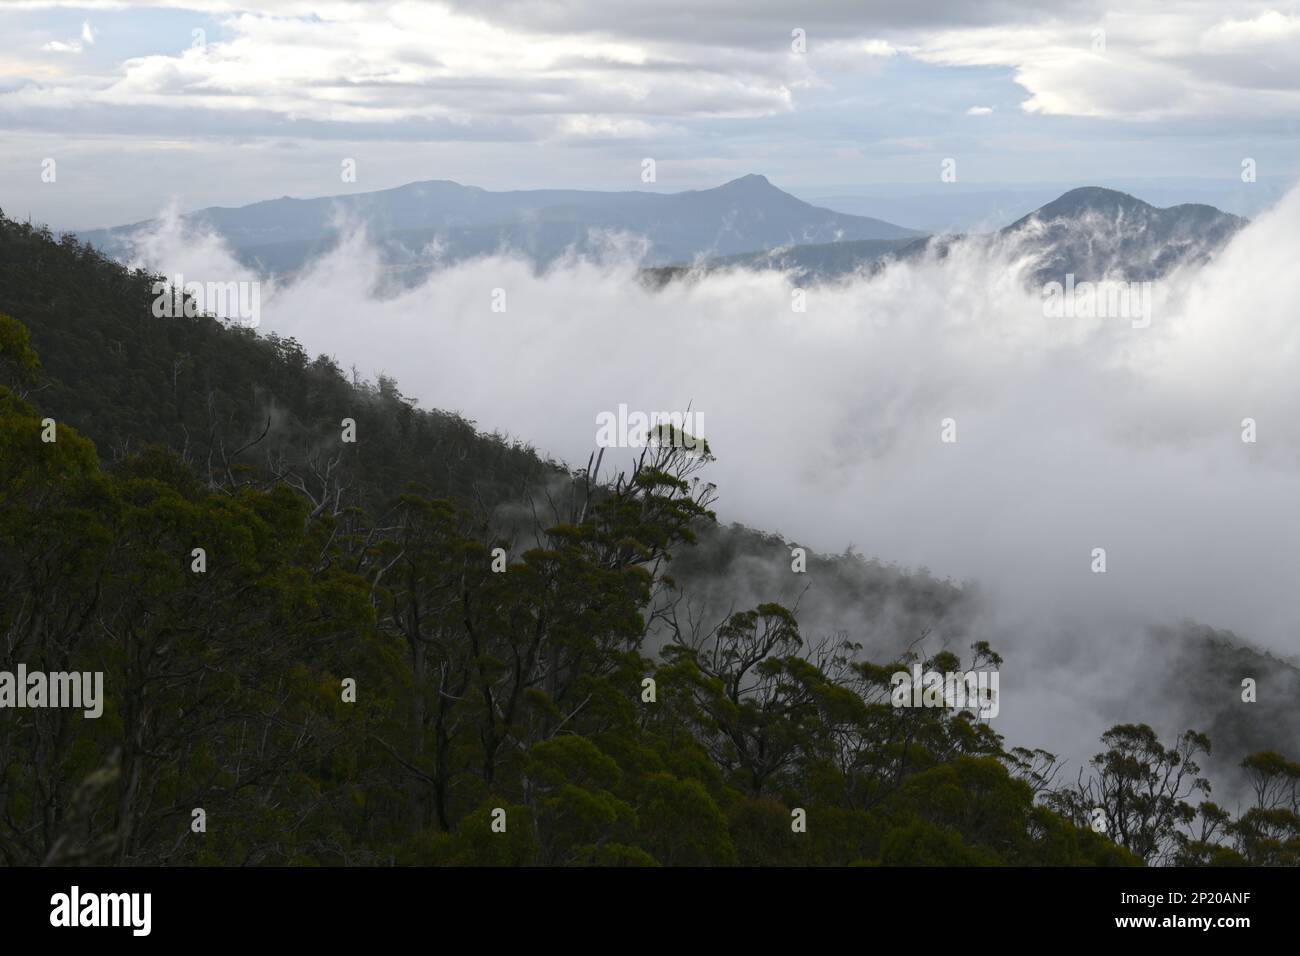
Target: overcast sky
{"points": [[229, 101]]}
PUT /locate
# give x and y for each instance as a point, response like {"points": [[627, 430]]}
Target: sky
{"points": [[195, 103]]}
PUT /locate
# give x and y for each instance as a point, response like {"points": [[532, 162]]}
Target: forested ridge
{"points": [[369, 565]]}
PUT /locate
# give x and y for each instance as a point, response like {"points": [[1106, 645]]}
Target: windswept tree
{"points": [[1268, 834], [1138, 790]]}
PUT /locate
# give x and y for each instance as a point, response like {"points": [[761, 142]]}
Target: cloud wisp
{"points": [[1071, 434]]}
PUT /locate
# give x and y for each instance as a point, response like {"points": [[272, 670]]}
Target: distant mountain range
{"points": [[747, 223], [420, 225], [983, 206], [1090, 232]]}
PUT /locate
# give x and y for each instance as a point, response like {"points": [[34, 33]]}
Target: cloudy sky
{"points": [[224, 102]]}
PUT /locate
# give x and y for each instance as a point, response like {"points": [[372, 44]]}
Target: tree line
{"points": [[338, 665]]}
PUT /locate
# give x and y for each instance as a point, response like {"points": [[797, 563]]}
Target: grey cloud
{"points": [[766, 24]]}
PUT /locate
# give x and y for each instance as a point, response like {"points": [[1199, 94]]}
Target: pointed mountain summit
{"points": [[753, 184], [752, 180]]}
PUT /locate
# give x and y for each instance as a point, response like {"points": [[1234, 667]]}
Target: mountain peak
{"points": [[1091, 199], [1097, 233], [752, 182]]}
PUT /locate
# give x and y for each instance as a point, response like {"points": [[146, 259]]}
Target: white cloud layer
{"points": [[1072, 434], [617, 70], [1146, 61]]}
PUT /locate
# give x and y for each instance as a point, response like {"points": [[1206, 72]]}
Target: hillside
{"points": [[129, 379], [350, 678]]}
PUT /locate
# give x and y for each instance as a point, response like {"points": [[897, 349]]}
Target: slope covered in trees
{"points": [[130, 379], [325, 662]]}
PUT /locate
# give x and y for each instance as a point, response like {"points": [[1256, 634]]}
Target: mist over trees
{"points": [[429, 646]]}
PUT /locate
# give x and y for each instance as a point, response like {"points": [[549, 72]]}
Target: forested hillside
{"points": [[222, 396], [314, 654]]}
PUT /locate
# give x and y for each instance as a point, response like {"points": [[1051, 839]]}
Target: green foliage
{"points": [[477, 690], [222, 396], [16, 354]]}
